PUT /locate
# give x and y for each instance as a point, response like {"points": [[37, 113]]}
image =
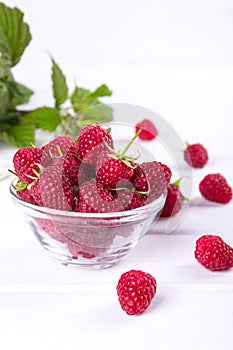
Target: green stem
{"points": [[130, 143]]}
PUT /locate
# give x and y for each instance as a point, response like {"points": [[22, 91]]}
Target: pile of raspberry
{"points": [[88, 175]]}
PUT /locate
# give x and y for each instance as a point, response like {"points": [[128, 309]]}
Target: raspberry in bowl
{"points": [[88, 204]]}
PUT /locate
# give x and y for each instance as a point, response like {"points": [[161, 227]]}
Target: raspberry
{"points": [[173, 203], [131, 199], [52, 229], [94, 198], [150, 177], [26, 162], [149, 131], [213, 253], [53, 190], [72, 168], [135, 290], [196, 155], [92, 140], [111, 170], [26, 195], [56, 148], [215, 188], [167, 172]]}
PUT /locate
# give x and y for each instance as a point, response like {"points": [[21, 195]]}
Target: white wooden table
{"points": [[44, 305]]}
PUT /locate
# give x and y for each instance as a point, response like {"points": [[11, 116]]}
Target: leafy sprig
{"points": [[17, 127]]}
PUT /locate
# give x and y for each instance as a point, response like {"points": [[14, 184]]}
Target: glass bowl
{"points": [[89, 240]]}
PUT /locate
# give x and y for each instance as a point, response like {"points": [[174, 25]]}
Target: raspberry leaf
{"points": [[60, 88], [45, 118], [14, 33], [102, 91], [4, 98], [20, 94], [19, 135]]}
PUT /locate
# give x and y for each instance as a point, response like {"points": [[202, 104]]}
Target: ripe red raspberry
{"points": [[215, 188], [56, 148], [53, 190], [72, 168], [196, 155], [149, 131], [92, 140], [150, 177], [111, 170], [94, 198], [26, 195], [213, 253], [173, 203], [131, 199], [167, 172], [135, 290], [26, 162]]}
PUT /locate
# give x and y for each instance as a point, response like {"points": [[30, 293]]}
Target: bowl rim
{"points": [[137, 211]]}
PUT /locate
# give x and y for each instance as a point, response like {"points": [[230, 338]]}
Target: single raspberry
{"points": [[213, 253], [53, 190], [26, 163], [135, 290], [92, 140], [167, 172], [131, 199], [94, 198], [58, 147], [72, 168], [112, 167], [215, 188], [173, 203], [151, 178], [149, 131], [111, 170], [196, 155], [26, 195]]}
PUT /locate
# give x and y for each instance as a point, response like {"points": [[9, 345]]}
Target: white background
{"points": [[176, 58]]}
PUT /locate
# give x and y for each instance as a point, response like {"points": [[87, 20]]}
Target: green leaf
{"points": [[60, 88], [14, 33], [4, 98], [45, 118], [102, 91], [75, 99], [20, 94], [99, 113], [21, 135]]}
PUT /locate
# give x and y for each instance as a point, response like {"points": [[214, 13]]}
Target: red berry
{"points": [[173, 203], [53, 190], [26, 162], [150, 177], [215, 188], [94, 198], [149, 131], [111, 170], [56, 148], [92, 140], [196, 155], [135, 290], [72, 168], [52, 229], [26, 195], [131, 199], [167, 172], [213, 253], [90, 242]]}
